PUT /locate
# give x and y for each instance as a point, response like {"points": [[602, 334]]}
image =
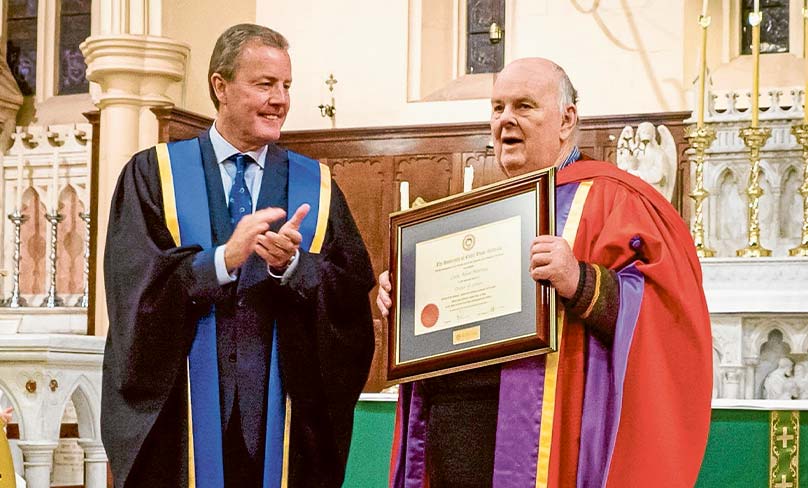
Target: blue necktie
{"points": [[240, 201]]}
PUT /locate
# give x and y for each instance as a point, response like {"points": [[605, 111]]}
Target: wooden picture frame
{"points": [[462, 292]]}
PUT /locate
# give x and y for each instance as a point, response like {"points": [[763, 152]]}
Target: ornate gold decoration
{"points": [[419, 202], [330, 110], [754, 138], [801, 133], [700, 138], [494, 33], [784, 446]]}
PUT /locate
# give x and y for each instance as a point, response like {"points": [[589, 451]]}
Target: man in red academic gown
{"points": [[625, 401]]}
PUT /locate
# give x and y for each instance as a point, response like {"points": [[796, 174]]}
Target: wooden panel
{"points": [[431, 176], [94, 118], [369, 163], [66, 431], [365, 183], [174, 124]]}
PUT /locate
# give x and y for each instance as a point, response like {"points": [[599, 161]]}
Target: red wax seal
{"points": [[429, 315]]}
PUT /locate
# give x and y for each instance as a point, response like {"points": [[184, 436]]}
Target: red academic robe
{"points": [[632, 413]]}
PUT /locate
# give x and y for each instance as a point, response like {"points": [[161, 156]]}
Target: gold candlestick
{"points": [[754, 138], [700, 138], [801, 133]]}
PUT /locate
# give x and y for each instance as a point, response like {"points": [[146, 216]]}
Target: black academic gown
{"points": [[156, 292]]}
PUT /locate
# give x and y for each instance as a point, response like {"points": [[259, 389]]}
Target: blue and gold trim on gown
{"points": [[187, 216]]}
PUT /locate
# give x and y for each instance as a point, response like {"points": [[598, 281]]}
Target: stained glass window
{"points": [[74, 28], [483, 55], [21, 44], [773, 28]]}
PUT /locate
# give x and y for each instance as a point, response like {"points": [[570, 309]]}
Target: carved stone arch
{"points": [[789, 208], [730, 208], [9, 400], [82, 394], [794, 168], [717, 172], [803, 345], [769, 174], [761, 335], [719, 348]]}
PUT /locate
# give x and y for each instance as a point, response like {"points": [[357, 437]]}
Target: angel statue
{"points": [[641, 155]]}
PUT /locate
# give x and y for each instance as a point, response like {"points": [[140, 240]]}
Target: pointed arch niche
{"points": [[70, 248], [790, 205], [437, 52], [68, 457], [34, 236], [730, 215]]}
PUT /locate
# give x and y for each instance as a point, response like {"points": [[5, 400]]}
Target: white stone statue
{"points": [[642, 155], [780, 384], [801, 379], [771, 352]]}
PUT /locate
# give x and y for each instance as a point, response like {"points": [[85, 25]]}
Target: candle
{"points": [[404, 191], [754, 19], [55, 183], [19, 183], [468, 178], [704, 22], [805, 56]]}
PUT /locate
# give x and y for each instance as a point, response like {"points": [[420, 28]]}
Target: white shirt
{"points": [[253, 175]]}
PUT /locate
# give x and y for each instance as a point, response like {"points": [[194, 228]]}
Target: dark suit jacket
{"points": [[155, 294]]}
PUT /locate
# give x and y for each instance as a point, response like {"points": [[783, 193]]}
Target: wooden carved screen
{"points": [[369, 163]]}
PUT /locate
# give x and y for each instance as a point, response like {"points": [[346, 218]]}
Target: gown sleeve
{"points": [[156, 291]]}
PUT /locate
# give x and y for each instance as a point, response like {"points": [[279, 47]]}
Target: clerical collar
{"points": [[224, 150], [573, 156]]}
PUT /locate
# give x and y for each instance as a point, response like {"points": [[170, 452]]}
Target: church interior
{"points": [[394, 97]]}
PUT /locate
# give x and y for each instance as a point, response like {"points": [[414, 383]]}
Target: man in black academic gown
{"points": [[255, 278]]}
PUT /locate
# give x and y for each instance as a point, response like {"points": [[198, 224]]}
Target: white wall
{"points": [[364, 43], [627, 56], [199, 23]]}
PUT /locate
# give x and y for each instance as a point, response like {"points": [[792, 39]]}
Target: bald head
{"points": [[533, 115]]}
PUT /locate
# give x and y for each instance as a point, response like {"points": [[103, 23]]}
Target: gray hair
{"points": [[567, 94], [224, 59]]}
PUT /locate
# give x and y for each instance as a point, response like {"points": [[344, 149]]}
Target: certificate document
{"points": [[462, 294], [468, 276]]}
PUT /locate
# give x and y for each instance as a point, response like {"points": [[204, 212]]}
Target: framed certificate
{"points": [[461, 287]]}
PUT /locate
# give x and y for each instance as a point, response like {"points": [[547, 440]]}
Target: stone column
{"points": [[749, 380], [134, 73], [38, 461], [95, 463]]}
